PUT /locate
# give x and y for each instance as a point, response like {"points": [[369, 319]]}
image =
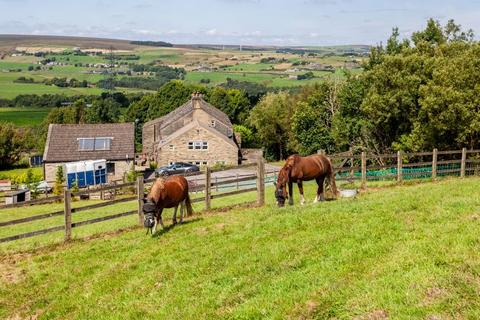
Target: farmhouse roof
{"points": [[63, 146], [195, 102]]}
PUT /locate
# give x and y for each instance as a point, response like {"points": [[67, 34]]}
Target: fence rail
{"points": [[208, 185], [405, 165]]}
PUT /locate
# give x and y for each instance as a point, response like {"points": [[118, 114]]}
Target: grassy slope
{"points": [[408, 252]]}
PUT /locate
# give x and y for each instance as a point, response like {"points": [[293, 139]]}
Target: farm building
{"points": [[113, 142], [196, 132]]}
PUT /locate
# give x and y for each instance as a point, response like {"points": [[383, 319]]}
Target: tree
{"points": [[246, 135], [11, 144], [169, 97], [231, 101], [271, 120], [103, 111], [312, 120], [59, 181], [349, 122], [424, 96]]}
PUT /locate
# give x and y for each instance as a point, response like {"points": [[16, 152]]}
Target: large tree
{"points": [[271, 120], [424, 95], [11, 144]]}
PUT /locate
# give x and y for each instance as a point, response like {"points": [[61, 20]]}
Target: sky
{"points": [[247, 22]]}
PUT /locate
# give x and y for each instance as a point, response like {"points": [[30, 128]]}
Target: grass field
{"points": [[5, 174], [23, 116], [407, 252], [230, 63]]}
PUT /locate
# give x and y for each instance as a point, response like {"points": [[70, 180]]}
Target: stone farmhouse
{"points": [[196, 132], [113, 142]]}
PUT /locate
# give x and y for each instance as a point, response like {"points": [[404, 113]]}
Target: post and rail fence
{"points": [[240, 183], [349, 167], [403, 166]]}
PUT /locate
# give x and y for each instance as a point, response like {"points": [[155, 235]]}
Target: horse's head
{"points": [[281, 193], [149, 213]]}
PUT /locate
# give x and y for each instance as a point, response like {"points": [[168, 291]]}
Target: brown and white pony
{"points": [[298, 169], [166, 193]]}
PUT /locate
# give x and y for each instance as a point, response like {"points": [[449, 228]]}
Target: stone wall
{"points": [[218, 150], [148, 137]]}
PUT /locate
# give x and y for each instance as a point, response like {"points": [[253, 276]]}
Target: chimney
{"points": [[196, 97]]}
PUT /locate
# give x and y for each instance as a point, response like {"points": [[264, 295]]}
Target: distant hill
{"points": [[8, 42]]}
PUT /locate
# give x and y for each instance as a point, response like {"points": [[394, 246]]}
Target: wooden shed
{"points": [[17, 196]]}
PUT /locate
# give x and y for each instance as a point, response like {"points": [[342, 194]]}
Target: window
{"points": [[198, 145], [90, 144], [86, 144], [111, 167], [213, 123], [171, 147], [102, 143], [198, 163]]}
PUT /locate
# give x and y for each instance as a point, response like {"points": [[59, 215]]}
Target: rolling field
{"points": [[23, 116], [405, 252], [220, 64]]}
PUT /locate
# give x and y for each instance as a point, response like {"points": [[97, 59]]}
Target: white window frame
{"points": [[171, 147], [198, 145], [81, 144], [198, 162], [107, 145], [213, 123]]}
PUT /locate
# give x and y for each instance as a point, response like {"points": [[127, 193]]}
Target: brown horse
{"points": [[298, 169], [166, 193]]}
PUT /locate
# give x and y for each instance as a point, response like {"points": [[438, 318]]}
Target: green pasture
{"points": [[8, 174], [403, 252], [23, 116]]}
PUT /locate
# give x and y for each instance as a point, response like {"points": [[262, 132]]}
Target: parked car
{"points": [[176, 168], [42, 186]]}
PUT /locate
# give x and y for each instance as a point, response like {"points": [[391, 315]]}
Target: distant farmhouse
{"points": [[196, 132], [113, 142]]}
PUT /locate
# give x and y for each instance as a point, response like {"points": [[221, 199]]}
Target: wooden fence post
{"points": [[208, 188], [67, 198], [399, 166], [140, 195], [364, 170], [260, 182], [434, 163], [352, 160], [464, 162]]}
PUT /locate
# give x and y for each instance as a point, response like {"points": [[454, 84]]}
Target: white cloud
{"points": [[212, 32]]}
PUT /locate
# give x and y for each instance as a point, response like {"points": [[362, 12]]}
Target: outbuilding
{"points": [[17, 196], [112, 143]]}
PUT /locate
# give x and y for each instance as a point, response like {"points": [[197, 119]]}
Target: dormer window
{"points": [[97, 143]]}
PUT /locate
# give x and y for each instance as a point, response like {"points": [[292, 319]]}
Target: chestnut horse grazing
{"points": [[166, 193], [298, 169]]}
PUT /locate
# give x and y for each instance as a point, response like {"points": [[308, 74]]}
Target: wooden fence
{"points": [[401, 166], [211, 190]]}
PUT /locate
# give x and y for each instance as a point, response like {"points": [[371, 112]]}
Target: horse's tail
{"points": [[188, 205], [331, 178]]}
